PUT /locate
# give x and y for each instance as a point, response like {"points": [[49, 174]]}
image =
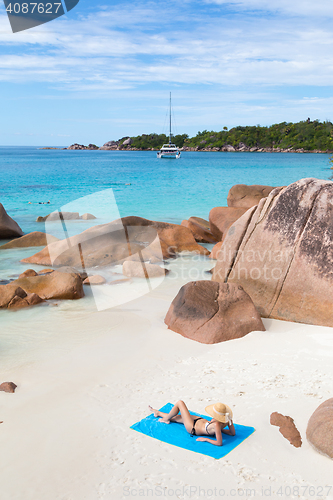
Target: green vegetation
{"points": [[309, 135], [305, 134], [156, 141]]}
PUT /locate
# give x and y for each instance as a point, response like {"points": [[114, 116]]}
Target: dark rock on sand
{"points": [[134, 269], [287, 428], [243, 196], [200, 229], [8, 227], [8, 387], [210, 312], [281, 252], [35, 239], [117, 241], [222, 218], [319, 431]]}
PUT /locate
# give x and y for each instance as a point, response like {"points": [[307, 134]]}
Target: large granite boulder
{"points": [[8, 227], [116, 241], [243, 196], [287, 428], [200, 229], [319, 431], [221, 218], [210, 312], [281, 252], [55, 285], [35, 239]]}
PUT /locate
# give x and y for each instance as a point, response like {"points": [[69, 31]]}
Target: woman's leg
{"points": [[185, 417]]}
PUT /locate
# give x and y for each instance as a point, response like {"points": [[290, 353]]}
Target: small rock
{"points": [[8, 227], [94, 280], [45, 271], [88, 217], [211, 312], [319, 431], [287, 428], [28, 273], [8, 387]]}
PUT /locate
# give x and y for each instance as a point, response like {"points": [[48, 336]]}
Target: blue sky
{"points": [[105, 70]]}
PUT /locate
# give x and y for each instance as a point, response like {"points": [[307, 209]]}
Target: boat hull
{"points": [[171, 156]]}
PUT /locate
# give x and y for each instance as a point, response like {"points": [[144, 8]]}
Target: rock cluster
{"points": [[240, 198], [210, 312]]}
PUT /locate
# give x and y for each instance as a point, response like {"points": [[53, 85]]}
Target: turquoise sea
{"points": [[143, 185]]}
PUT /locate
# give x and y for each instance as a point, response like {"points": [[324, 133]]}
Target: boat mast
{"points": [[170, 121]]}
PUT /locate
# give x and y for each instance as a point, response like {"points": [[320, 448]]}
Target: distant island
{"points": [[302, 137]]}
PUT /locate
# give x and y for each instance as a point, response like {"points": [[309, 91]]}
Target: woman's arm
{"points": [[218, 434], [212, 441], [231, 431]]}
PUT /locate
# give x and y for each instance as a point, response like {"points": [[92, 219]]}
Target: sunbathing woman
{"points": [[198, 426]]}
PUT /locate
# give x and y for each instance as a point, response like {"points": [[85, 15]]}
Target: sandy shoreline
{"points": [[80, 386]]}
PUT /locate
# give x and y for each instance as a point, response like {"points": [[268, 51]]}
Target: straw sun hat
{"points": [[220, 412]]}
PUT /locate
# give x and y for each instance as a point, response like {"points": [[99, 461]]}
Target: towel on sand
{"points": [[177, 435]]}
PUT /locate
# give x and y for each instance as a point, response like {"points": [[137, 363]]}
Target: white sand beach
{"points": [[84, 377]]}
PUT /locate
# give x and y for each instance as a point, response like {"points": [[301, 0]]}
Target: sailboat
{"points": [[169, 150]]}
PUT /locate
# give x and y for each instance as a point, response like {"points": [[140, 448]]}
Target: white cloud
{"points": [[124, 48]]}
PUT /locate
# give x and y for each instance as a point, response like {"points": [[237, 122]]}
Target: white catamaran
{"points": [[169, 150]]}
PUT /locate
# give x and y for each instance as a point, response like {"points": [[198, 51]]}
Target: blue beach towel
{"points": [[177, 435]]}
